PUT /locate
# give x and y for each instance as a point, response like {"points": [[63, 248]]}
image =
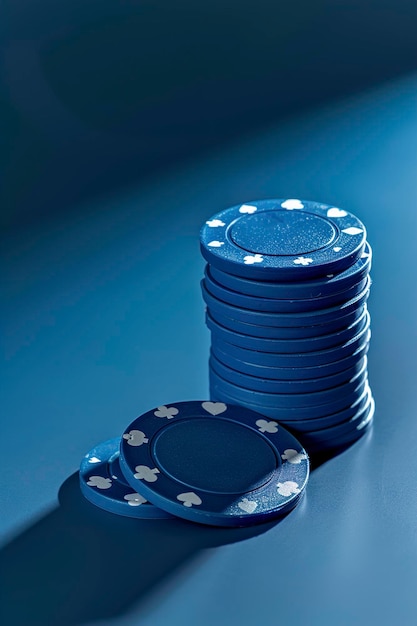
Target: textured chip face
{"points": [[215, 463], [287, 239]]}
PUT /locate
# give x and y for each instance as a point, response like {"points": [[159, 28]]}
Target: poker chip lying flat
{"points": [[274, 305], [214, 463], [293, 406], [356, 423], [302, 359], [302, 374], [289, 346], [294, 387], [103, 484], [285, 240], [287, 332], [316, 288], [310, 318], [322, 423]]}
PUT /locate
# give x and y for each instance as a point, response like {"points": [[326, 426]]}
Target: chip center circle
{"points": [[282, 232], [215, 455]]}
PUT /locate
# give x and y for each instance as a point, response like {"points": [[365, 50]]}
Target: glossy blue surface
{"points": [[103, 317]]}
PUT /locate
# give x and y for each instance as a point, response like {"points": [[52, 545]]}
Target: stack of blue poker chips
{"points": [[286, 287], [208, 462]]}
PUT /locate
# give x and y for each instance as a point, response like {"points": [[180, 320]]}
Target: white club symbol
{"points": [[292, 204], [165, 411], [135, 438], [214, 408], [301, 260], [215, 223], [287, 488], [292, 456], [337, 249], [100, 482], [143, 472], [335, 212], [216, 244], [135, 499], [251, 259], [248, 208], [267, 427]]}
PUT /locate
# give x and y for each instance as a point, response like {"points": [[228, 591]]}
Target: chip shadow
{"points": [[79, 564]]}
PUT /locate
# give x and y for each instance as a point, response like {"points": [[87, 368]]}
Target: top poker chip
{"points": [[282, 240], [214, 463]]}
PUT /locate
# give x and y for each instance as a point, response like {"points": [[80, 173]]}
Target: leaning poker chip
{"points": [[274, 305], [296, 403], [287, 332], [214, 463], [285, 386], [103, 484], [289, 346], [317, 288], [263, 318], [282, 240], [316, 377]]}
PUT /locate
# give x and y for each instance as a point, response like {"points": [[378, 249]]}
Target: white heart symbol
{"points": [[214, 408], [335, 212], [247, 505], [189, 498], [292, 204], [216, 244], [247, 208], [352, 230]]}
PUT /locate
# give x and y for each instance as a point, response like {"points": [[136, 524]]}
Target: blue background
{"points": [[105, 187]]}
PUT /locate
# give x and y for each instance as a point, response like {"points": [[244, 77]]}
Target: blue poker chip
{"points": [[318, 288], [290, 418], [285, 386], [282, 240], [287, 332], [214, 463], [355, 423], [274, 305], [289, 346], [263, 318], [315, 377], [321, 423], [103, 484], [302, 359], [340, 442], [297, 404]]}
